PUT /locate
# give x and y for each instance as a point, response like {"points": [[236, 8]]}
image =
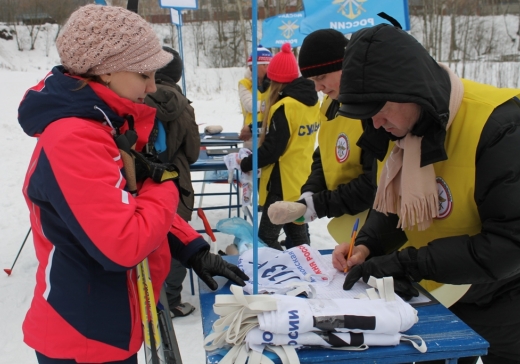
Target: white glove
{"points": [[306, 194], [310, 213]]}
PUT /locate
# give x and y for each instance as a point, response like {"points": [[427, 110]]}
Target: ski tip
{"points": [[8, 271]]}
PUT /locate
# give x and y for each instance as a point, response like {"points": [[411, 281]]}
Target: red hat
{"points": [[283, 67]]}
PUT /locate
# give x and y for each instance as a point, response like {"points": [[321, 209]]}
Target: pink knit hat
{"points": [[99, 39], [283, 67]]}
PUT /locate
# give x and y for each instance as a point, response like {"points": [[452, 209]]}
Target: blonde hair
{"points": [[274, 95], [86, 79]]}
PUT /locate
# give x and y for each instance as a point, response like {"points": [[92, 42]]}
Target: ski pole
{"points": [[9, 271]]}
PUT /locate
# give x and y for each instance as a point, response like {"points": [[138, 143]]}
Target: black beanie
{"points": [[322, 52], [172, 70]]}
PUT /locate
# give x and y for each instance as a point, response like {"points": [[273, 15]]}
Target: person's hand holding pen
{"points": [[347, 255], [352, 242]]}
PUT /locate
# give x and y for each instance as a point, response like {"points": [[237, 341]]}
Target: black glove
{"points": [[149, 166], [402, 266], [207, 265]]}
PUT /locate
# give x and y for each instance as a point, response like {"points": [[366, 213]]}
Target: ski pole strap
{"points": [[412, 339]]}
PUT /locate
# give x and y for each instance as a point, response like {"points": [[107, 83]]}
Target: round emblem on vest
{"points": [[445, 198], [342, 148]]}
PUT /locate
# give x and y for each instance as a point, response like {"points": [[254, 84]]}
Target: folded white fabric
{"points": [[298, 268], [369, 316], [252, 323], [256, 339]]}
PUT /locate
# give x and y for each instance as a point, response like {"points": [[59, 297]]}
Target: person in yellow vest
{"points": [[245, 90], [341, 182], [449, 189], [286, 146]]}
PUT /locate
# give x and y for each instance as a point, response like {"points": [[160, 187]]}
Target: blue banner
{"points": [[283, 28], [348, 16]]}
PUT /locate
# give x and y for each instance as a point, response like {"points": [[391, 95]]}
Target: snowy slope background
{"points": [[214, 95]]}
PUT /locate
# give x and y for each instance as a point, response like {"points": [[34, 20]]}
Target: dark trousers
{"points": [[269, 232], [498, 323], [288, 242], [42, 359], [173, 287]]}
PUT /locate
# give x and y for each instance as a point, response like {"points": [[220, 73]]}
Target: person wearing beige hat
{"points": [[290, 125], [92, 220]]}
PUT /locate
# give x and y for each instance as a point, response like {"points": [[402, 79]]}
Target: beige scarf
{"points": [[404, 187]]}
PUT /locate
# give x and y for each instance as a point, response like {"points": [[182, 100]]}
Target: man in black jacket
{"points": [[449, 189]]}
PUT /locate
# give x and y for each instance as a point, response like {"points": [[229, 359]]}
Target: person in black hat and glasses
{"points": [[446, 207], [340, 184]]}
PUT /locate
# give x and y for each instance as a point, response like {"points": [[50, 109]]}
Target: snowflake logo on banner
{"points": [[288, 28], [350, 8]]}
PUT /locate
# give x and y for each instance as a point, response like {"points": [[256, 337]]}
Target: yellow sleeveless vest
{"points": [[262, 97], [295, 162], [341, 162], [458, 214]]}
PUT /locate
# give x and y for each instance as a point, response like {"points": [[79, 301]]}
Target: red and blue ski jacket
{"points": [[89, 232]]}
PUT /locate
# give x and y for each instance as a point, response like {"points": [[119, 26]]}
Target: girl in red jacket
{"points": [[89, 230]]}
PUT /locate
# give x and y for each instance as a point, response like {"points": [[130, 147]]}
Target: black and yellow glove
{"points": [[149, 166]]}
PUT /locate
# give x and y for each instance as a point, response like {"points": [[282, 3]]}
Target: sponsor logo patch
{"points": [[445, 198], [342, 148]]}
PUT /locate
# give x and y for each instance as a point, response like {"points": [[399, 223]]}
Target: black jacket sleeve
{"points": [[274, 144], [316, 180], [380, 235], [348, 198]]}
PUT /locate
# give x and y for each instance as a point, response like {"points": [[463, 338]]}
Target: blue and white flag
{"points": [[349, 16], [283, 28]]}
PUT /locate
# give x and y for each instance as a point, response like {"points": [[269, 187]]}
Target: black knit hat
{"points": [[322, 52], [172, 70]]}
